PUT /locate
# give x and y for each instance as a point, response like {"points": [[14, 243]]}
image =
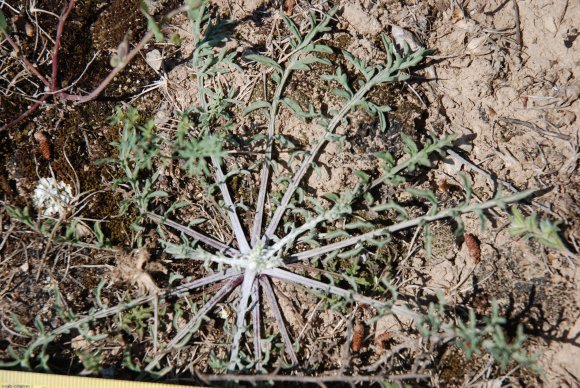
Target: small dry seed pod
{"points": [[443, 186], [288, 6], [29, 29], [524, 100], [43, 144], [477, 46], [357, 337], [382, 339], [473, 247]]}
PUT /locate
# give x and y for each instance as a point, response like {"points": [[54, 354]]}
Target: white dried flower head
{"points": [[52, 197]]}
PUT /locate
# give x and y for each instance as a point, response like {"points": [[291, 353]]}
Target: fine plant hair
{"points": [[289, 226]]}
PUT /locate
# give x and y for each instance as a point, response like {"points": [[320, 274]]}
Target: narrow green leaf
{"points": [[157, 193], [293, 105], [386, 156], [256, 105], [3, 24], [310, 241], [151, 23], [382, 121], [332, 197], [177, 205], [391, 205], [298, 66], [319, 48], [410, 144], [292, 27], [99, 233], [342, 93], [428, 195], [369, 199], [350, 253], [384, 108], [364, 177], [359, 225], [265, 61], [312, 59], [335, 234], [285, 141], [460, 227], [467, 186], [428, 238]]}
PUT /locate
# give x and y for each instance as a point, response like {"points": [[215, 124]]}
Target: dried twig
{"points": [[518, 33], [315, 379], [534, 127]]}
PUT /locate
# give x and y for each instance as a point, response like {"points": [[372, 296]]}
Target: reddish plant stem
{"points": [[148, 36], [80, 99], [23, 58], [59, 30], [24, 115], [53, 84]]}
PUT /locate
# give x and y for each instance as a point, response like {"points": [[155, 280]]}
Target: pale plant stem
{"points": [[409, 224], [222, 293], [271, 296], [332, 125], [246, 292], [229, 204], [219, 276], [231, 208], [223, 248], [257, 225], [257, 325], [276, 248], [202, 255], [107, 312], [310, 283]]}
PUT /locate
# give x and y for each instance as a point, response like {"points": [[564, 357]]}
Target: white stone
{"points": [[154, 59]]}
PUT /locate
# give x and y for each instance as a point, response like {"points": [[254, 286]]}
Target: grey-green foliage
{"points": [[491, 336], [35, 355], [297, 226], [3, 24], [475, 336], [60, 231], [139, 147], [140, 151], [544, 231]]}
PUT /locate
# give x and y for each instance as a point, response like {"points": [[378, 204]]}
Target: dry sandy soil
{"points": [[504, 76]]}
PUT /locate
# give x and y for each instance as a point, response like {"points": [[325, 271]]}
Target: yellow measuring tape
{"points": [[11, 379]]}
